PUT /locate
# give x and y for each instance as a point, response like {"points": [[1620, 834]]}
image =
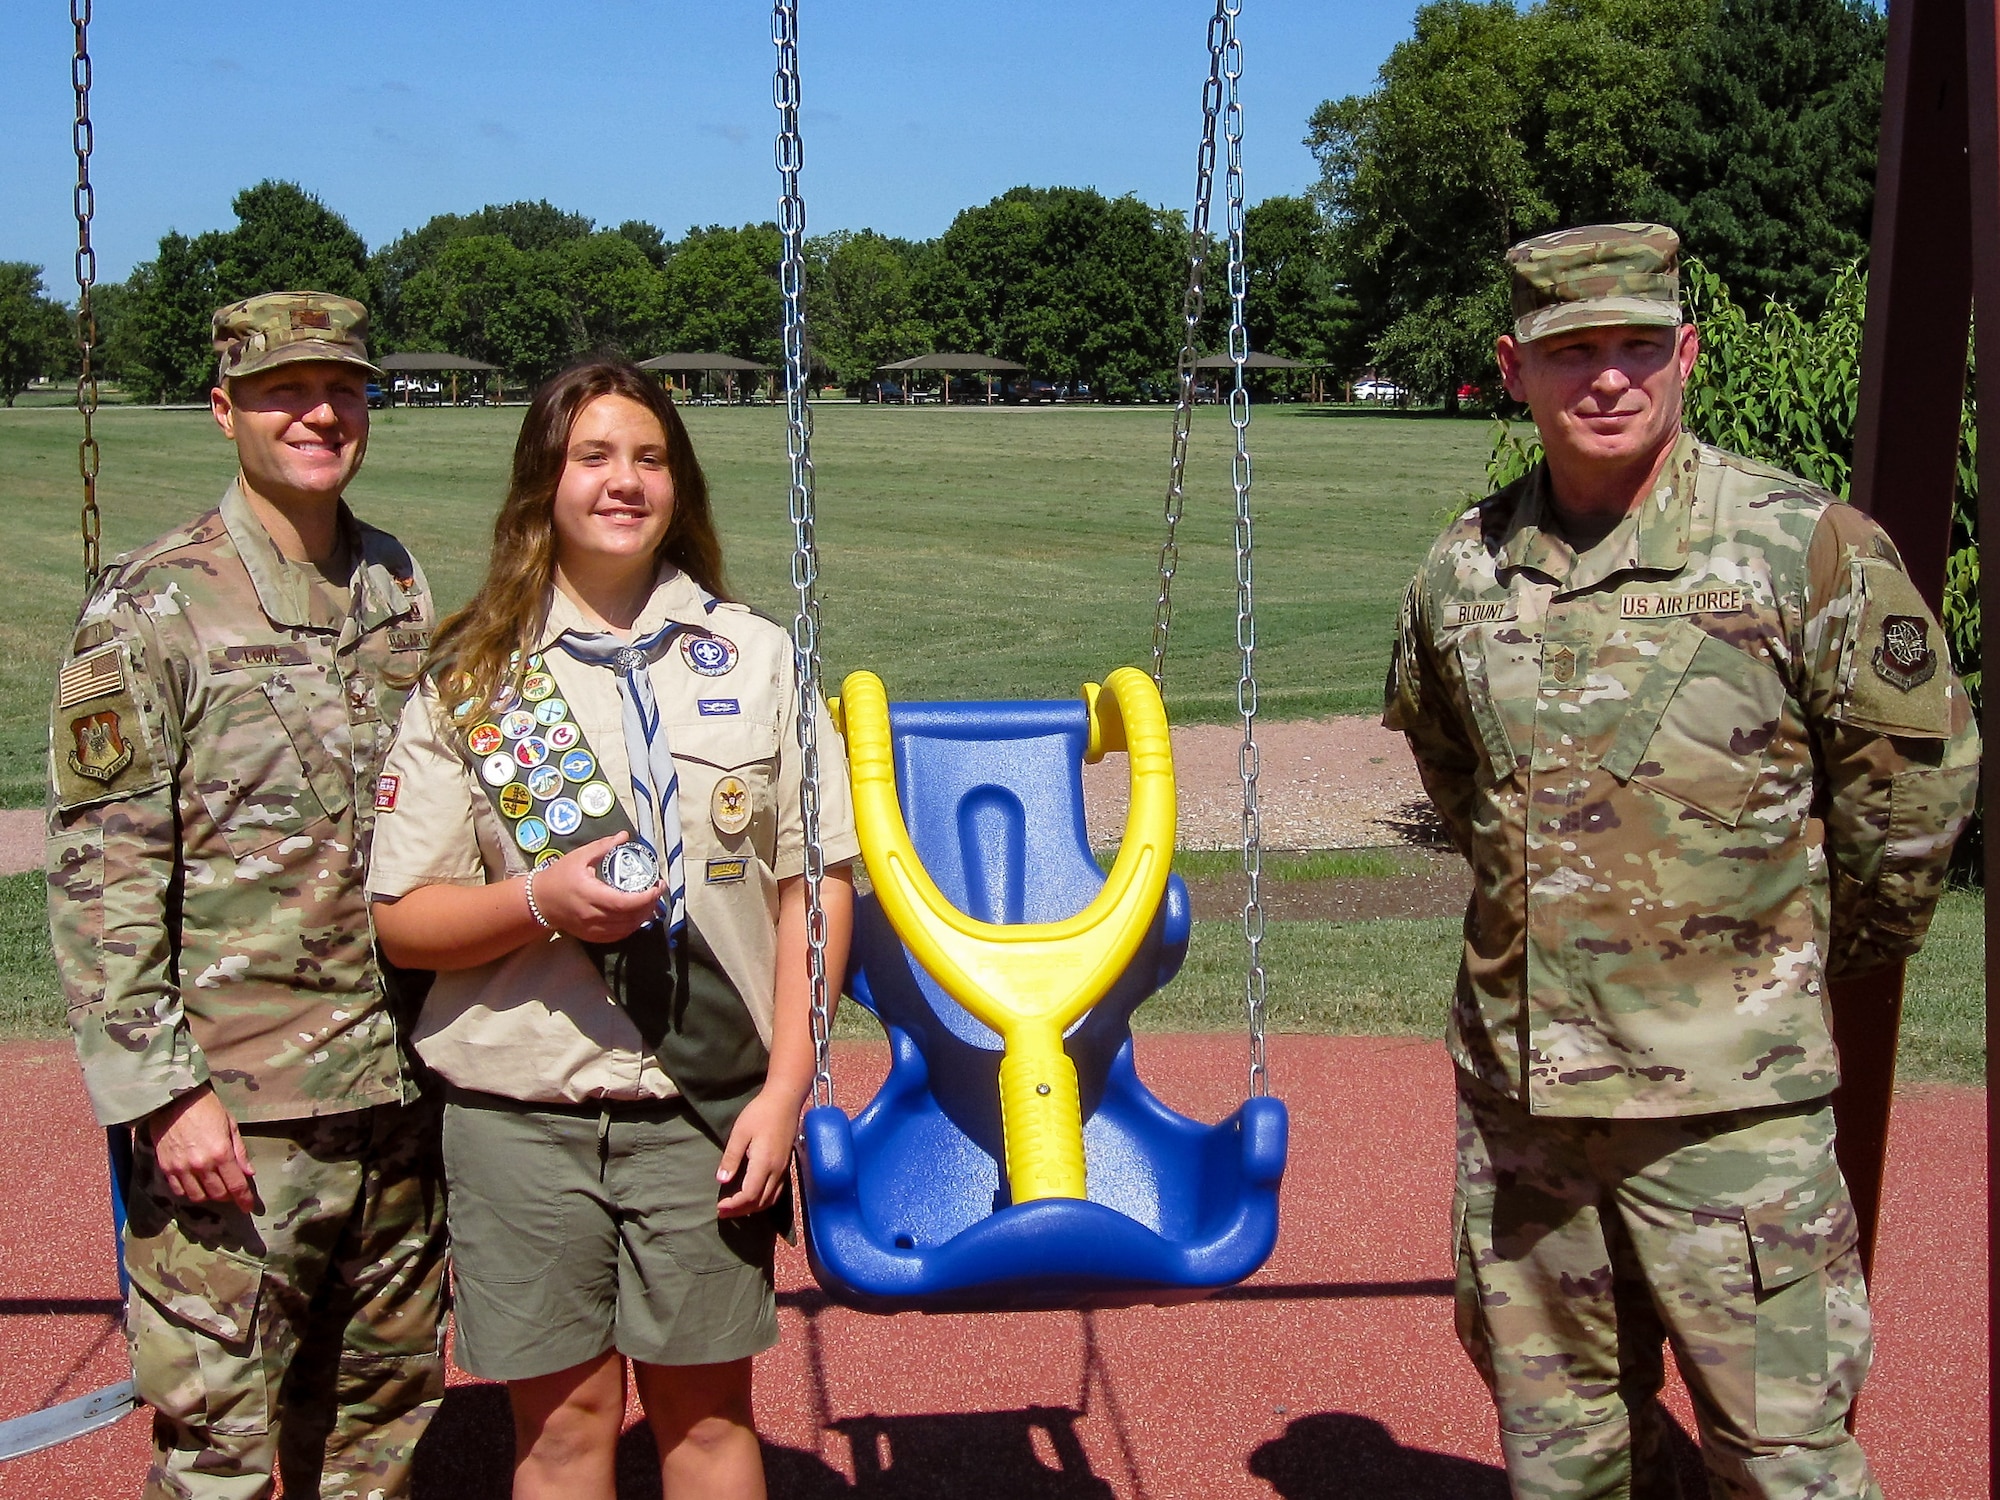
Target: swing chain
{"points": [[83, 139], [805, 554], [1193, 304], [1247, 757]]}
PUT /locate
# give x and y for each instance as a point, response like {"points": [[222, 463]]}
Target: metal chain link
{"points": [[805, 548], [1247, 757], [83, 138], [1193, 304]]}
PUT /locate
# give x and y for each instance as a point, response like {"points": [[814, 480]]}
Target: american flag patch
{"points": [[96, 675]]}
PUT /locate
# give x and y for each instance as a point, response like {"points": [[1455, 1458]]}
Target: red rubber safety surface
{"points": [[1333, 1374]]}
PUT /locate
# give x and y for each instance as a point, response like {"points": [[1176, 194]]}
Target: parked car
{"points": [[1379, 390], [376, 395], [1469, 392], [883, 390], [1023, 389]]}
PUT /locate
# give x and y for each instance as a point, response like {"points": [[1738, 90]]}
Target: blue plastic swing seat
{"points": [[906, 1206]]}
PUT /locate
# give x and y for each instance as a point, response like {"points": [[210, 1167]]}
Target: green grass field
{"points": [[966, 552]]}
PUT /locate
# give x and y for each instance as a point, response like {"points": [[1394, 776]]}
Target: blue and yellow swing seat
{"points": [[1013, 1159]]}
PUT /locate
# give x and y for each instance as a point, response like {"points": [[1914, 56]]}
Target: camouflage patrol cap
{"points": [[1596, 276], [282, 328]]}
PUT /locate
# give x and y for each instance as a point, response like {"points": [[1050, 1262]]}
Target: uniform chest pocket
{"points": [[1499, 665], [728, 770], [272, 759], [1700, 726]]}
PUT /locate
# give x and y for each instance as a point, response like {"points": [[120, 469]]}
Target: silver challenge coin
{"points": [[630, 868]]}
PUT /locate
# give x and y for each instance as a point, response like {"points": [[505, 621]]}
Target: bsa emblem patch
{"points": [[101, 751], [385, 792], [710, 655], [729, 807], [1562, 664], [1905, 659]]}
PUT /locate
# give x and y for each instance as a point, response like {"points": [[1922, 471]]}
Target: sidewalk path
{"points": [[1333, 1375]]}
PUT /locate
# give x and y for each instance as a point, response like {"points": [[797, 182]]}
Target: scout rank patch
{"points": [[729, 805], [542, 799], [1905, 659]]}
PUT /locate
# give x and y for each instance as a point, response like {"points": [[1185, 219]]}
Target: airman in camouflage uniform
{"points": [[1695, 729], [220, 719]]}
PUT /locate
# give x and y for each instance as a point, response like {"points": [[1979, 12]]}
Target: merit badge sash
{"points": [[547, 785]]}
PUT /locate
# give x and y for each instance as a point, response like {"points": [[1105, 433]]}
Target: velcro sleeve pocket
{"points": [[1894, 673]]}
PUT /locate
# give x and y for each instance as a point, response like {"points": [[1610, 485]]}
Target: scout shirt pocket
{"points": [[270, 772], [1700, 725], [728, 769]]}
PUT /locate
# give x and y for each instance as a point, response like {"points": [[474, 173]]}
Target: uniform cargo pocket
{"points": [[197, 1352], [1712, 738], [1812, 1310]]}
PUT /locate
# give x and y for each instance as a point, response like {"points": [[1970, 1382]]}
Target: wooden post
{"points": [[454, 387], [1935, 254]]}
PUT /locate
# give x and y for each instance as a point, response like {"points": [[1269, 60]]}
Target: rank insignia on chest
{"points": [[729, 807], [101, 751], [710, 655], [1905, 659], [1562, 664]]}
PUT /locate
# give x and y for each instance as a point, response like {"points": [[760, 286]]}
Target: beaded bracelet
{"points": [[534, 910]]}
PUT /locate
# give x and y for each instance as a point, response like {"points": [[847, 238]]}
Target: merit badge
{"points": [[505, 699], [484, 738], [537, 686], [517, 724], [710, 655], [545, 782], [535, 662], [729, 806], [514, 800], [1905, 659], [551, 711], [385, 792], [630, 867], [532, 834], [712, 707], [101, 751], [563, 735], [564, 816], [596, 799], [547, 857], [579, 765], [532, 751], [497, 769]]}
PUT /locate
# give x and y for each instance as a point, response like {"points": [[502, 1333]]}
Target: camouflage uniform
{"points": [[1696, 769], [217, 710]]}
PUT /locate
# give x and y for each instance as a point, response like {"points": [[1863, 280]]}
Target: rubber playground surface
{"points": [[1332, 1374]]}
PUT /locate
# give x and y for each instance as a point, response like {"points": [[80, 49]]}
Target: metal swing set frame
{"points": [[1220, 108]]}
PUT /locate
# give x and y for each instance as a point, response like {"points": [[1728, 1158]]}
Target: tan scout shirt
{"points": [[1638, 750], [538, 1024], [216, 713]]}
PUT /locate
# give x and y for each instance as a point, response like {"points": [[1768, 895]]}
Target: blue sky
{"points": [[653, 109]]}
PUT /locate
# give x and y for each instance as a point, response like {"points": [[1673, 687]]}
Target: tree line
{"points": [[1749, 125]]}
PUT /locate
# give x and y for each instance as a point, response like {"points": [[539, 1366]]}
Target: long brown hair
{"points": [[487, 643]]}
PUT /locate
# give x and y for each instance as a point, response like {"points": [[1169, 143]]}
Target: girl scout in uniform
{"points": [[590, 827]]}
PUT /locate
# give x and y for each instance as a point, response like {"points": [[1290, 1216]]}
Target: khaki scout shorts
{"points": [[578, 1230]]}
